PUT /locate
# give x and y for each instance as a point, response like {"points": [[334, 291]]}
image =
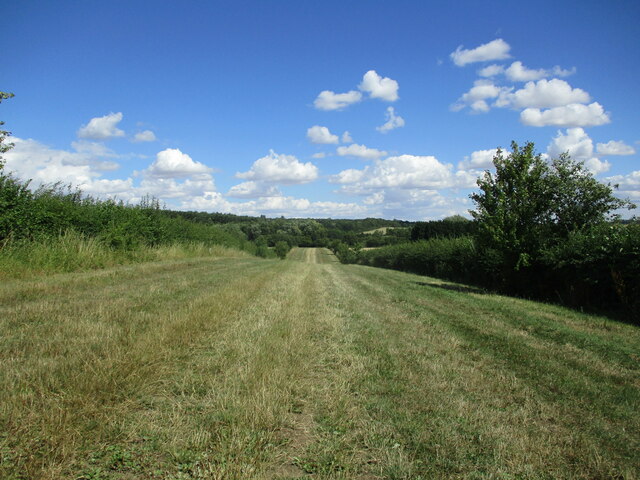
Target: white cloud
{"points": [[30, 159], [497, 49], [283, 169], [346, 138], [480, 159], [360, 151], [350, 175], [629, 183], [517, 72], [400, 172], [393, 121], [575, 141], [318, 134], [319, 155], [491, 70], [574, 115], [378, 87], [476, 97], [145, 136], [375, 199], [560, 72], [597, 166], [328, 100], [253, 190], [579, 146], [275, 206], [102, 128], [543, 94], [614, 147], [172, 163]]}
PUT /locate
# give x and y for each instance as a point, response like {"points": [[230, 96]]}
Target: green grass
{"points": [[235, 367], [73, 252]]}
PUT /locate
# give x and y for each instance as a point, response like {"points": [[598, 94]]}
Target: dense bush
{"points": [[450, 258]]}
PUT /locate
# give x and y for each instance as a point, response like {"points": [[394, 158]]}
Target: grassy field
{"points": [[242, 368]]}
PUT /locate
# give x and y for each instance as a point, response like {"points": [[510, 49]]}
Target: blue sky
{"points": [[315, 109]]}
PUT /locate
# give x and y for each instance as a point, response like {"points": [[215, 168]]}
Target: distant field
{"points": [[383, 230], [242, 368]]}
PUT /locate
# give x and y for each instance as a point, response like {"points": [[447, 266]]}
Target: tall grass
{"points": [[73, 252]]}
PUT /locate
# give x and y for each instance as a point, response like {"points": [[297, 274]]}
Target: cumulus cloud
{"points": [[253, 190], [400, 172], [30, 159], [350, 175], [319, 155], [614, 147], [497, 49], [574, 141], [102, 128], [579, 146], [393, 121], [573, 115], [378, 87], [543, 94], [328, 100], [629, 184], [476, 97], [491, 70], [597, 166], [144, 136], [318, 134], [172, 163], [275, 206], [282, 169], [346, 138], [517, 72], [360, 151], [478, 160]]}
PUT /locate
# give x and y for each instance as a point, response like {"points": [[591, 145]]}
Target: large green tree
{"points": [[530, 203]]}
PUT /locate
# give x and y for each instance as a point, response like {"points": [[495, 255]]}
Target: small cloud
{"points": [[393, 121], [491, 70], [319, 155], [328, 100], [280, 168], [144, 136], [172, 163], [496, 50], [322, 135], [102, 128], [360, 151], [378, 87], [253, 190], [480, 159], [346, 138], [573, 115], [613, 147]]}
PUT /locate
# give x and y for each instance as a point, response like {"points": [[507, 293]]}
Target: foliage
{"points": [[4, 147], [452, 227], [449, 258], [530, 204], [282, 248]]}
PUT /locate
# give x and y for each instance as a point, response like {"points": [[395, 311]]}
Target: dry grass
{"points": [[226, 368]]}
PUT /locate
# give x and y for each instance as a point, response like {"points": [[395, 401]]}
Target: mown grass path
{"points": [[247, 368]]}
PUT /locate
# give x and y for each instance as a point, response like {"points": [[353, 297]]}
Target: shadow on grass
{"points": [[615, 312], [453, 287]]}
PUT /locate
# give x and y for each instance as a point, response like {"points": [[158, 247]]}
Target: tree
{"points": [[282, 248], [4, 147], [530, 204]]}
